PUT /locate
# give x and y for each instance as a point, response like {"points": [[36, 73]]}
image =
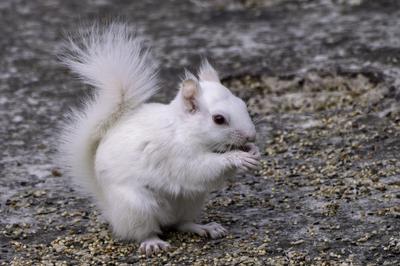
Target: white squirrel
{"points": [[149, 166]]}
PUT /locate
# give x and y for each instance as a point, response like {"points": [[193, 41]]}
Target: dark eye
{"points": [[219, 119]]}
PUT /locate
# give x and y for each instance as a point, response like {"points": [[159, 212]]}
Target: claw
{"points": [[253, 150], [213, 229], [245, 161], [153, 245]]}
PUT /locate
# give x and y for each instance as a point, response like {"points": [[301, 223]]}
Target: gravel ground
{"points": [[321, 81]]}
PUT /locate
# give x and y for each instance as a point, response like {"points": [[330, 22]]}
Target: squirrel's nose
{"points": [[251, 136]]}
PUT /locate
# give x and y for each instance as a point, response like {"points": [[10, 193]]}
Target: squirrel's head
{"points": [[219, 118]]}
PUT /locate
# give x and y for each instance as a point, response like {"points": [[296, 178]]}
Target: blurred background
{"points": [[321, 77]]}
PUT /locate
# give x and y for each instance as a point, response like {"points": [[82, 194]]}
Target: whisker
{"points": [[257, 116], [260, 120], [218, 147], [261, 130]]}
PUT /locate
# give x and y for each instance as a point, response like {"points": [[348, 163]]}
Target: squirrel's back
{"points": [[114, 62]]}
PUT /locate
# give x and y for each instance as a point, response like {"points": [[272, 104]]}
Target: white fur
{"points": [[207, 72], [152, 165], [114, 63]]}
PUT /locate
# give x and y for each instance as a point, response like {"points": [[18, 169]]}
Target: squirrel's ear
{"points": [[207, 72], [189, 92]]}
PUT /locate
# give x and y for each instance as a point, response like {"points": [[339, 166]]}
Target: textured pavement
{"points": [[321, 76]]}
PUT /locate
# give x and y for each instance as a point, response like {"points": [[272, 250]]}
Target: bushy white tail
{"points": [[113, 61]]}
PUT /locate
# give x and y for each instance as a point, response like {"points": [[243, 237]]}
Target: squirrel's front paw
{"points": [[244, 160]]}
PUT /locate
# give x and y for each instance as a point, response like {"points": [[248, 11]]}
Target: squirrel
{"points": [[150, 166]]}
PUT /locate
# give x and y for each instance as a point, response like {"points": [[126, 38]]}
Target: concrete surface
{"points": [[322, 78]]}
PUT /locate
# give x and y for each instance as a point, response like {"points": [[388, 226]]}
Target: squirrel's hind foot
{"points": [[213, 229], [153, 245]]}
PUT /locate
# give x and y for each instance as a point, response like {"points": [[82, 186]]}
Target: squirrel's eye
{"points": [[219, 119]]}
